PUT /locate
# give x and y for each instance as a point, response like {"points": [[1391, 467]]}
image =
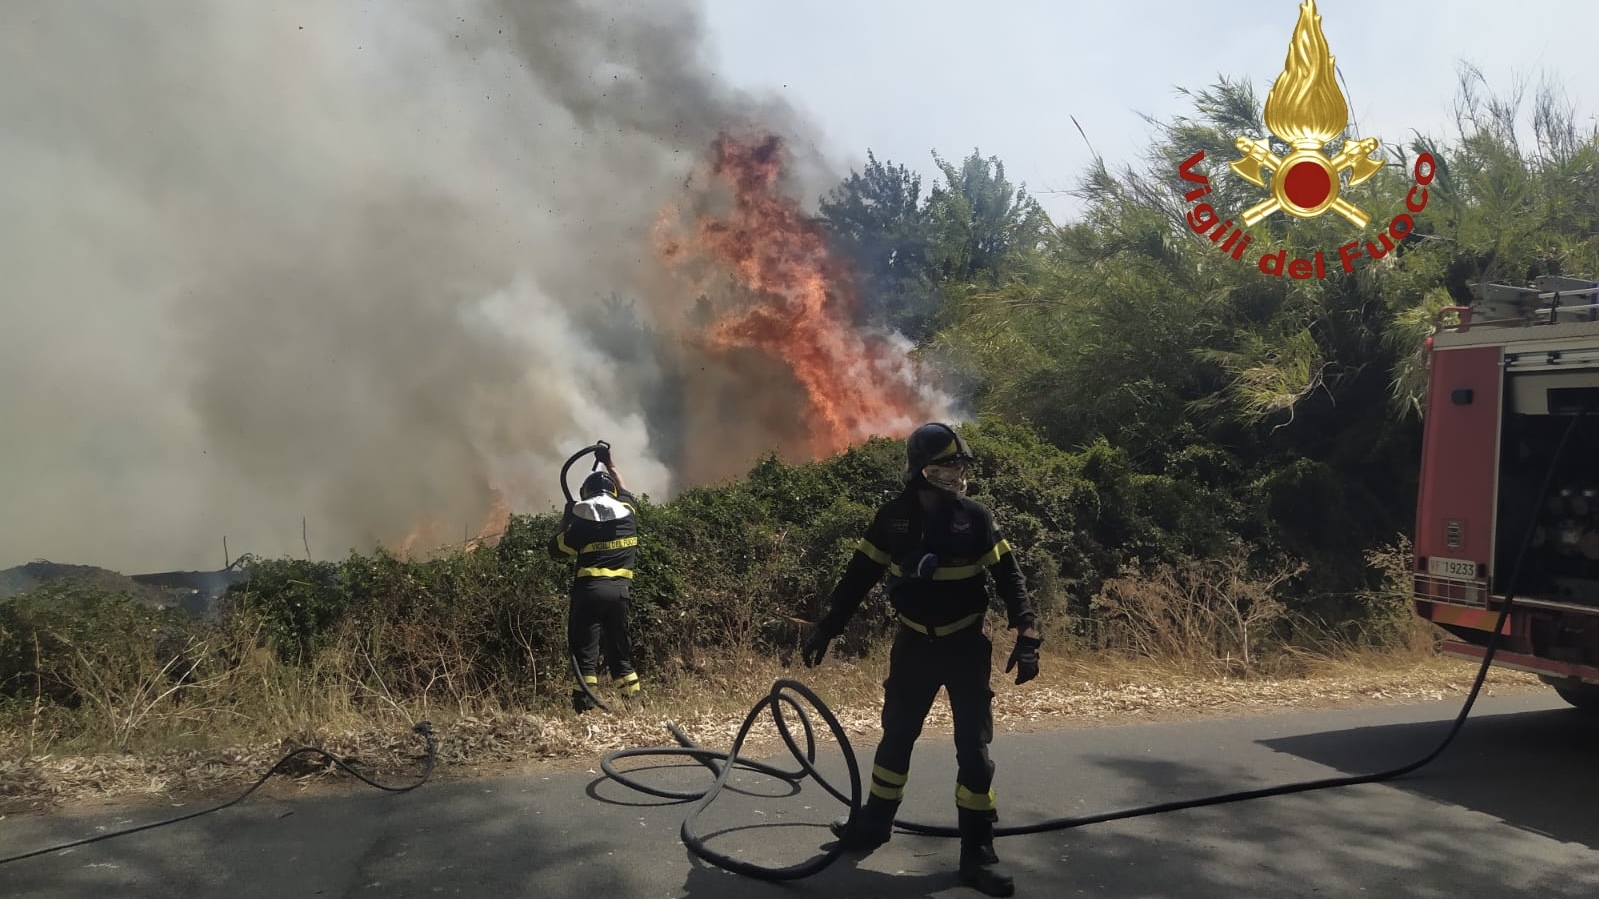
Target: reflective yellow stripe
{"points": [[618, 543], [946, 572], [592, 680], [887, 784], [994, 554], [890, 793], [962, 572], [872, 552], [560, 544], [889, 777], [605, 572], [945, 629], [981, 802], [627, 683]]}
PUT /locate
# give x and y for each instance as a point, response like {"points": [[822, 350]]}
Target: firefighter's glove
{"points": [[919, 564], [815, 648], [1024, 658], [603, 454]]}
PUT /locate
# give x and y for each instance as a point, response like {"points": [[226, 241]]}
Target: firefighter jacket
{"points": [[602, 532], [969, 548]]}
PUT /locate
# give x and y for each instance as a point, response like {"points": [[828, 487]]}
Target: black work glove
{"points": [[1024, 658], [919, 564], [603, 454], [815, 648]]}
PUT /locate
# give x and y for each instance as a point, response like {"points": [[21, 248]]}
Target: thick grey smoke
{"points": [[360, 263]]}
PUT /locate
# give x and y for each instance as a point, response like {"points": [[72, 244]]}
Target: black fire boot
{"points": [[980, 868], [581, 702], [872, 828]]}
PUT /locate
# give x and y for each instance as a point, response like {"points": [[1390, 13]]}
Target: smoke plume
{"points": [[376, 266]]}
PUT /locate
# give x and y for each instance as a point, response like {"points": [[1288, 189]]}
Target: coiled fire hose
{"points": [[807, 757], [853, 799]]}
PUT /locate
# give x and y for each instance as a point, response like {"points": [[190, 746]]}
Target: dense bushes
{"points": [[736, 566], [739, 565], [51, 635]]}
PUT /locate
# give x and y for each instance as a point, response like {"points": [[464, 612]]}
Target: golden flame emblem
{"points": [[1305, 109]]}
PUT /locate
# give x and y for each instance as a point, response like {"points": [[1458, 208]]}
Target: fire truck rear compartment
{"points": [[1562, 563], [1561, 571], [1510, 379]]}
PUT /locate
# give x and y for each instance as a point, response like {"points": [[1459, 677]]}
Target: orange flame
{"points": [[499, 518], [800, 301], [794, 303], [431, 535], [1305, 107]]}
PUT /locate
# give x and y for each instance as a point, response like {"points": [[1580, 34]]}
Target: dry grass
{"points": [[196, 760], [1197, 614], [1184, 641]]}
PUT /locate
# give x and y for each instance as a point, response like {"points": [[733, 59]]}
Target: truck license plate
{"points": [[1457, 569]]}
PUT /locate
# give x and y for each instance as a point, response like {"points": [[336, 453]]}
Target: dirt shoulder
{"points": [[498, 743]]}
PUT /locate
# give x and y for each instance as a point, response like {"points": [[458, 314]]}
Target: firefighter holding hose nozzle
{"points": [[938, 547], [601, 531]]}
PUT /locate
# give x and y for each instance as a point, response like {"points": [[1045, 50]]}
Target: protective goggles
{"points": [[949, 475]]}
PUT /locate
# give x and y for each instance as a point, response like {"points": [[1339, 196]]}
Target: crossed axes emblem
{"points": [[1305, 183]]}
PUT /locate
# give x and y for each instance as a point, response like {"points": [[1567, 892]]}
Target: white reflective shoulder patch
{"points": [[601, 508]]}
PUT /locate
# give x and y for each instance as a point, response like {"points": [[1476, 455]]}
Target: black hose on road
{"points": [[423, 728], [806, 758], [431, 759], [853, 799]]}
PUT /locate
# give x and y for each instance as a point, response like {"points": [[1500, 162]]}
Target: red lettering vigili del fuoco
{"points": [[1232, 241]]}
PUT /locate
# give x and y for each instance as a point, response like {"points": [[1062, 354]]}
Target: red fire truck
{"points": [[1508, 375]]}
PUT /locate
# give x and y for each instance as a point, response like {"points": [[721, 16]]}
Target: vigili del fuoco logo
{"points": [[1305, 110]]}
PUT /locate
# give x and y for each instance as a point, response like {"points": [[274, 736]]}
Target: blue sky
{"points": [[1006, 76]]}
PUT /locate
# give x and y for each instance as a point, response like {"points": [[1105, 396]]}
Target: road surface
{"points": [[1510, 810]]}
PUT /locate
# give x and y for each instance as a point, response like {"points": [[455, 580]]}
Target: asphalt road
{"points": [[1510, 809]]}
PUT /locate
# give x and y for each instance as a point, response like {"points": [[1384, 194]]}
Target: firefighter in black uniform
{"points": [[601, 531], [938, 547]]}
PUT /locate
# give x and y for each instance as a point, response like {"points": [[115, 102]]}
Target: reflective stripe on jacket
{"points": [[602, 534]]}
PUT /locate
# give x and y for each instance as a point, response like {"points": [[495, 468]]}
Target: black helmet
{"points": [[933, 442], [597, 483]]}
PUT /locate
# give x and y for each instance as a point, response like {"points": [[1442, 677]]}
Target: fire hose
{"points": [[777, 697], [423, 728], [430, 759]]}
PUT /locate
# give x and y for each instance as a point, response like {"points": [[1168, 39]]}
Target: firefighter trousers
{"points": [[919, 666], [597, 620]]}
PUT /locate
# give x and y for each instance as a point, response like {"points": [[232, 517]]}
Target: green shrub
{"points": [[745, 566], [50, 634]]}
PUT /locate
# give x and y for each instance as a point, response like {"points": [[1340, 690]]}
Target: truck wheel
{"points": [[1582, 695]]}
